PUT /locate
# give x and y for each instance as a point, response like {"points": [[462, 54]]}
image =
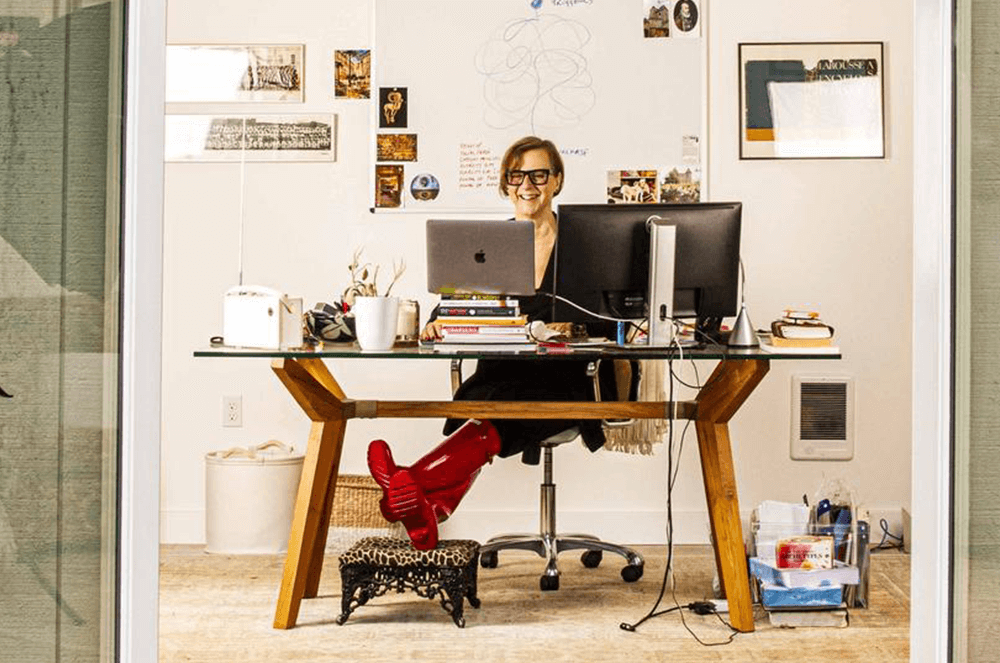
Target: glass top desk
{"points": [[312, 385]]}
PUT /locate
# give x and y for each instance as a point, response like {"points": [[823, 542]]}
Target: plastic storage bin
{"points": [[250, 497]]}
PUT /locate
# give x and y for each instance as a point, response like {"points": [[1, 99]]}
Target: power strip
{"points": [[721, 605]]}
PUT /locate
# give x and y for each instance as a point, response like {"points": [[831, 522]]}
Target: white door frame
{"points": [[141, 329], [930, 587], [142, 280]]}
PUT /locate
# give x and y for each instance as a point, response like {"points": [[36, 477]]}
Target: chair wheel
{"points": [[592, 558], [549, 583], [631, 573], [488, 560]]}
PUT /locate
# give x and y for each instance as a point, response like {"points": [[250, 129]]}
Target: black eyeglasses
{"points": [[537, 177]]}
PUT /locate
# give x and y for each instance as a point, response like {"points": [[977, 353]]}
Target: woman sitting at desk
{"points": [[426, 492]]}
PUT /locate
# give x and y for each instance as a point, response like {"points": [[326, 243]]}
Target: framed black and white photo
{"points": [[220, 73], [235, 138], [812, 100]]}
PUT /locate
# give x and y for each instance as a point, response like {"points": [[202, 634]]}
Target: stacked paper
{"points": [[776, 521]]}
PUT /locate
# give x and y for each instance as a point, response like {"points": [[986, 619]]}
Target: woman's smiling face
{"points": [[533, 200]]}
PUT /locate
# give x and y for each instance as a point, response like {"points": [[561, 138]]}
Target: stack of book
{"points": [[481, 319], [802, 330]]}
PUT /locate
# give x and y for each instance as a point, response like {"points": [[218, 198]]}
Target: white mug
{"points": [[375, 322]]}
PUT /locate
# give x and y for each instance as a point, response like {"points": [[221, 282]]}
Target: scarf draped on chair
{"points": [[641, 434]]}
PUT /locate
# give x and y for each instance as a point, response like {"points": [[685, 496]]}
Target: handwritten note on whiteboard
{"points": [[478, 166]]}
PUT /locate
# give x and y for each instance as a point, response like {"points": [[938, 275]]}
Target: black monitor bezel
{"points": [[722, 301]]}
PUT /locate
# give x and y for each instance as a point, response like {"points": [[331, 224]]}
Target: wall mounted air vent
{"points": [[822, 418]]}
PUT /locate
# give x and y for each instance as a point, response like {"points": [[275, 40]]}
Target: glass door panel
{"points": [[60, 101]]}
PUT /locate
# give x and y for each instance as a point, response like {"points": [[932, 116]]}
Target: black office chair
{"points": [[548, 543]]}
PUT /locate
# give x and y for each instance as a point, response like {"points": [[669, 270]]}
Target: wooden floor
{"points": [[219, 608]]}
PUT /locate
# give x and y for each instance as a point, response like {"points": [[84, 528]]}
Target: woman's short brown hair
{"points": [[513, 155]]}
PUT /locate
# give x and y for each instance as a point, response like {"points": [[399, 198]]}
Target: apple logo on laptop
{"points": [[480, 256]]}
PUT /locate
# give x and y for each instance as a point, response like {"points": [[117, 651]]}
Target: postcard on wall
{"points": [[388, 186], [251, 138], [686, 17], [811, 100], [691, 150], [352, 74], [217, 73], [680, 185], [655, 19], [393, 104], [396, 147], [425, 187], [631, 186]]}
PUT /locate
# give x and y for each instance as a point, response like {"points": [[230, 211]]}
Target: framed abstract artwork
{"points": [[812, 100]]}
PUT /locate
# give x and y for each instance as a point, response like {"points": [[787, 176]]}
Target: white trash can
{"points": [[250, 497]]}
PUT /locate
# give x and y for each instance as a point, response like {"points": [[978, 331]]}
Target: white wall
{"points": [[832, 234]]}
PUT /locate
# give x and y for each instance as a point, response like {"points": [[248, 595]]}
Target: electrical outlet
{"points": [[232, 411]]}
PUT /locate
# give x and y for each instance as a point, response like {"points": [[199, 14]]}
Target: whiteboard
{"points": [[480, 74]]}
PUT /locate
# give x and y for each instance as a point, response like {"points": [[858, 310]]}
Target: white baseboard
{"points": [[634, 527], [182, 526], [187, 526], [893, 516]]}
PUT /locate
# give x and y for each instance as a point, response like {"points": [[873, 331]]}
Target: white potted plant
{"points": [[375, 316]]}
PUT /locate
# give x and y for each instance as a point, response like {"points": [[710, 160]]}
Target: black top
{"points": [[531, 380]]}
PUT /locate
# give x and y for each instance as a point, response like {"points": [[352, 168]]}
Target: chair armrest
{"points": [[456, 375]]}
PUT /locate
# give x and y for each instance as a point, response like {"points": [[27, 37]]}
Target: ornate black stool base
{"points": [[374, 565]]}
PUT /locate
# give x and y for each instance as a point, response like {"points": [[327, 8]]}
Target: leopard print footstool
{"points": [[374, 565]]}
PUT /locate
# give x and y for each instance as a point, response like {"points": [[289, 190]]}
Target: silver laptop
{"points": [[488, 257]]}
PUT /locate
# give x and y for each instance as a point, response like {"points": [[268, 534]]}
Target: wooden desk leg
{"points": [[310, 522], [723, 394], [318, 370]]}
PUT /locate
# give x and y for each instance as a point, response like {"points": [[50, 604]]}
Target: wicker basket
{"points": [[355, 503]]}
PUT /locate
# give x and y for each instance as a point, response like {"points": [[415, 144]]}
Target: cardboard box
{"points": [[804, 552]]}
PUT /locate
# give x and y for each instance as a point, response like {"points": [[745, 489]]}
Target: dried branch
{"points": [[397, 271], [364, 278]]}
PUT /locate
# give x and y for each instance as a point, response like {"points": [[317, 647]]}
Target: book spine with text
{"points": [[474, 311]]}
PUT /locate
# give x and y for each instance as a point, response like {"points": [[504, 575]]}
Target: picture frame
{"points": [[235, 73], [812, 100], [248, 138]]}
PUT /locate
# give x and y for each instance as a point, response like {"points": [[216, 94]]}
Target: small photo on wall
{"points": [[396, 147], [392, 103], [631, 186], [687, 18], [353, 74], [680, 185], [425, 187], [656, 19], [388, 186]]}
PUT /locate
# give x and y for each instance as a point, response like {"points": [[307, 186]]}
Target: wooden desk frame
{"points": [[316, 391]]}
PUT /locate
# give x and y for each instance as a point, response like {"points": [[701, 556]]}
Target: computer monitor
{"points": [[602, 262]]}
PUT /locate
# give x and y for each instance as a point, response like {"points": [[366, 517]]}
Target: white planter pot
{"points": [[375, 322]]}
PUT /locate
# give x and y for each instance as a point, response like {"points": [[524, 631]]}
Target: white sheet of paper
{"points": [[827, 118]]}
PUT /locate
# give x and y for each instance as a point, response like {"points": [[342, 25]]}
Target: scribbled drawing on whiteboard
{"points": [[536, 73]]}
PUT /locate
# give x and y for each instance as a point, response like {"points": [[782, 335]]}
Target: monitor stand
{"points": [[662, 247]]}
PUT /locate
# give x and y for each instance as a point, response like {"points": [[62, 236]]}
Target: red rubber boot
{"points": [[428, 491]]}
